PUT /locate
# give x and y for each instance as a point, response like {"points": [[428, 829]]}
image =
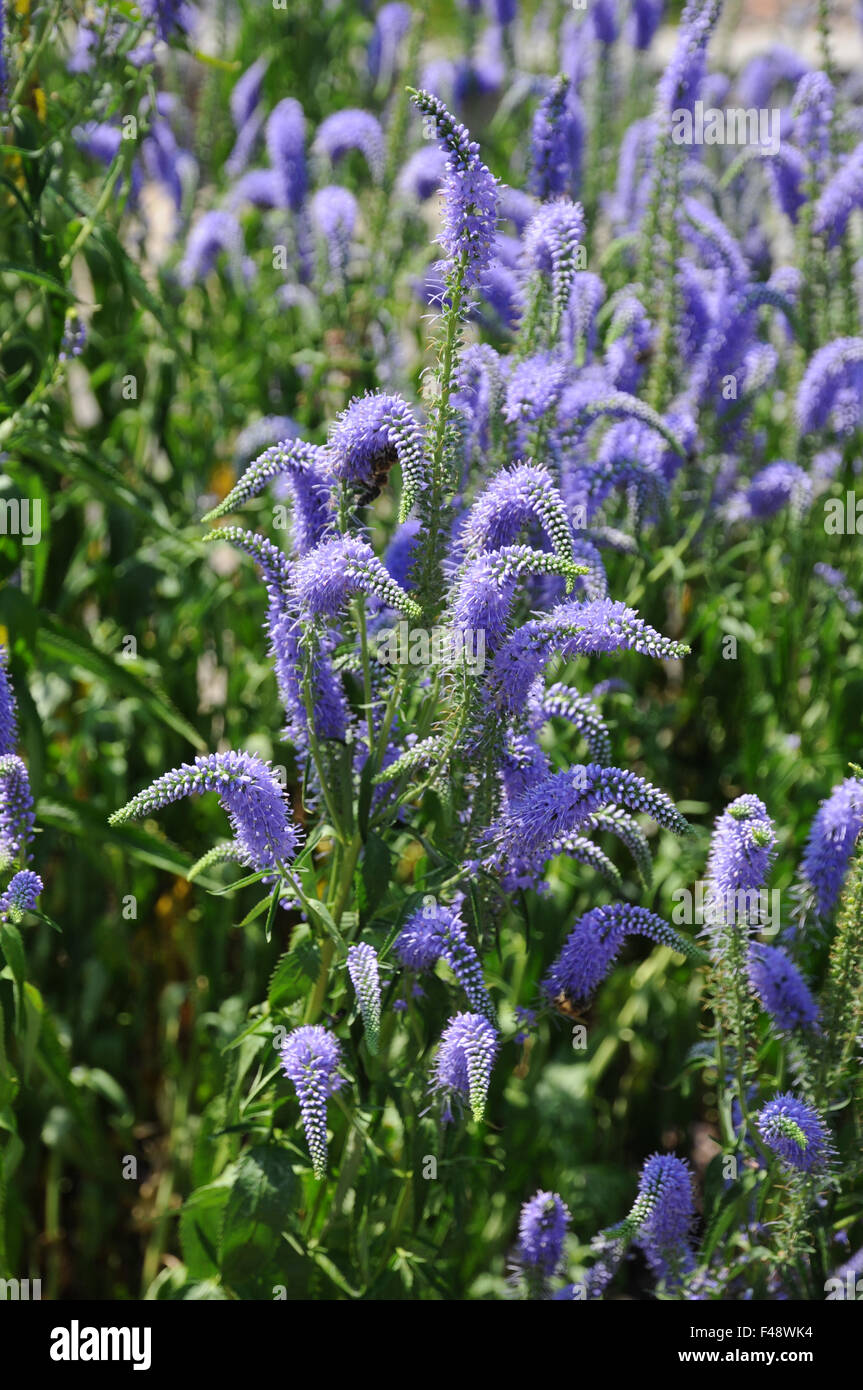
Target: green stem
{"points": [[360, 609], [346, 880]]}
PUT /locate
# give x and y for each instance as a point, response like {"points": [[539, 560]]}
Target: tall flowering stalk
{"points": [[469, 216], [678, 91], [741, 853]]}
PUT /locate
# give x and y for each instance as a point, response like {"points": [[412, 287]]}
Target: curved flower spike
{"points": [[796, 1132], [464, 1060], [421, 754], [840, 196], [309, 478], [310, 1059], [584, 851], [594, 944], [562, 805], [562, 702], [485, 589], [571, 629], [326, 577], [831, 387], [363, 970], [614, 821], [256, 805], [521, 496], [619, 405], [435, 932], [272, 561], [352, 129], [551, 243], [594, 585], [333, 212], [369, 436]]}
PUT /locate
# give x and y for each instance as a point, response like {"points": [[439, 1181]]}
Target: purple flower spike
{"points": [[436, 933], [310, 1059], [742, 848], [16, 810], [523, 496], [469, 194], [255, 803], [247, 93], [812, 109], [98, 139], [419, 944], [562, 702], [840, 197], [329, 575], [665, 1211], [646, 18], [306, 467], [781, 988], [214, 233], [423, 173], [21, 895], [533, 389], [594, 944], [542, 1228], [486, 588], [603, 14], [835, 829], [8, 713], [551, 243], [778, 485], [333, 211], [368, 438], [465, 1059], [353, 129], [392, 24], [787, 170], [796, 1132], [402, 552], [363, 970], [535, 825], [272, 561], [74, 338], [286, 147], [557, 138], [680, 84], [832, 389], [571, 629]]}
